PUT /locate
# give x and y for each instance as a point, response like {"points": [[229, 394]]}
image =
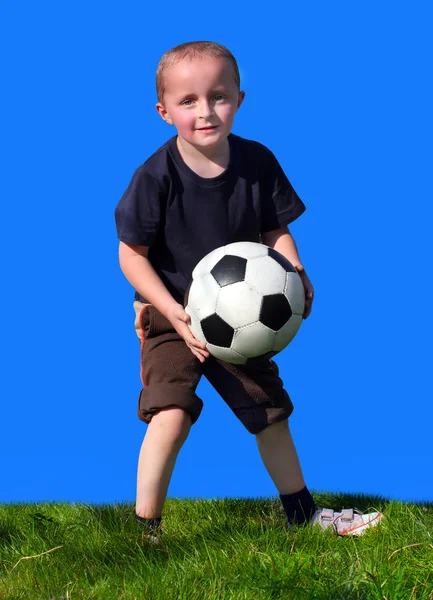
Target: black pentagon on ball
{"points": [[275, 311], [281, 260], [217, 331], [230, 269]]}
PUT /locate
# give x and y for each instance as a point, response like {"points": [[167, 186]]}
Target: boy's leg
{"points": [[164, 437], [256, 395], [280, 458], [168, 404]]}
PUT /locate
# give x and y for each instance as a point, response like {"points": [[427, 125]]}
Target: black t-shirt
{"points": [[182, 216]]}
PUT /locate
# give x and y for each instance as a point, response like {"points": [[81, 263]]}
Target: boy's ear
{"points": [[241, 98], [163, 113]]}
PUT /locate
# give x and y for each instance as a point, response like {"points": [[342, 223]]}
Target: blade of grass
{"points": [[409, 546], [35, 555]]}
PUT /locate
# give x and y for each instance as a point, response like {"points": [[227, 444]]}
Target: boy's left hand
{"points": [[309, 290]]}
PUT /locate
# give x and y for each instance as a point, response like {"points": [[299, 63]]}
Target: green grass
{"points": [[233, 549]]}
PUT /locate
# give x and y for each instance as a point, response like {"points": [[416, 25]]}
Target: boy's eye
{"points": [[216, 98]]}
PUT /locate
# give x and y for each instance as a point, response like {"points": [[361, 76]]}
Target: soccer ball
{"points": [[245, 301]]}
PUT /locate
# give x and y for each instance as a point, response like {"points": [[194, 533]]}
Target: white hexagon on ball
{"points": [[226, 354], [254, 340], [195, 327], [238, 304], [266, 275], [202, 296], [295, 294], [285, 335]]}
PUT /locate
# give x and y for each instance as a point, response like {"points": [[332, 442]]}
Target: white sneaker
{"points": [[346, 522], [153, 539]]}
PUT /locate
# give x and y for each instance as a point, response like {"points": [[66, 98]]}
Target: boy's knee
{"points": [[173, 415], [272, 428], [174, 422]]}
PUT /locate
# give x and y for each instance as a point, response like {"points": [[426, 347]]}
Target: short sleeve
{"points": [[138, 213], [281, 205]]}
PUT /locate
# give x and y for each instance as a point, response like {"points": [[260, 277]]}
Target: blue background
{"points": [[341, 94]]}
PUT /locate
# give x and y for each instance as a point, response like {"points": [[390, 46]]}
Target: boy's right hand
{"points": [[179, 319]]}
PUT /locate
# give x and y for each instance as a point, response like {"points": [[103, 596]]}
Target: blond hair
{"points": [[190, 51]]}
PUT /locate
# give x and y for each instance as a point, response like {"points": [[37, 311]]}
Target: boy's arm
{"points": [[282, 241], [142, 276]]}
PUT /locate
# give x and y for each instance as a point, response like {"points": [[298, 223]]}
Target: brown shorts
{"points": [[170, 374]]}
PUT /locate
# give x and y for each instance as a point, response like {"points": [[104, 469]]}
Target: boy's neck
{"points": [[205, 164]]}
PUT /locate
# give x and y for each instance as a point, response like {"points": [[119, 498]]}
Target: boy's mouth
{"points": [[207, 128]]}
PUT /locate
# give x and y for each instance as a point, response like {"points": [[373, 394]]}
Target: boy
{"points": [[206, 188]]}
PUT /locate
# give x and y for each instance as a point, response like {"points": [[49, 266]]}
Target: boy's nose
{"points": [[205, 110]]}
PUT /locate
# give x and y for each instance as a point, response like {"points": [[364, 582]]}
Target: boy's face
{"points": [[200, 99]]}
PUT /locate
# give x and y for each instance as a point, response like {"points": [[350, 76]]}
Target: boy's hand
{"points": [[309, 290], [180, 319]]}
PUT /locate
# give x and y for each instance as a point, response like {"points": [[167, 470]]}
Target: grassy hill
{"points": [[233, 549]]}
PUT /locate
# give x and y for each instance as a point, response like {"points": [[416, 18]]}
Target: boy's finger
{"points": [[200, 349], [196, 347], [307, 310], [194, 341], [198, 354]]}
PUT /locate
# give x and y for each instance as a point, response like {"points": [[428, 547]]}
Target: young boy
{"points": [[206, 188]]}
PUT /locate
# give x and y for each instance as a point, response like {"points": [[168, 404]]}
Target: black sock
{"points": [[299, 507], [152, 526]]}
